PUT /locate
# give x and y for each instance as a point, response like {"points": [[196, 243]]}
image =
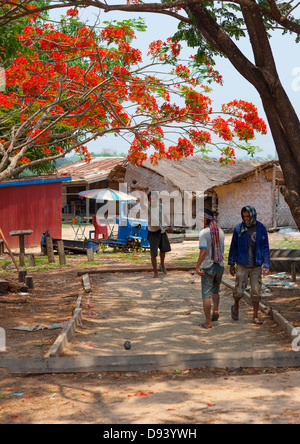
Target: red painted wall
{"points": [[35, 207]]}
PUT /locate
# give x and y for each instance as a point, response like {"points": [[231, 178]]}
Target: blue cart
{"points": [[132, 233]]}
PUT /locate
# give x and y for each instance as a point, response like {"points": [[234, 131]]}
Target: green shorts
{"points": [[212, 279]]}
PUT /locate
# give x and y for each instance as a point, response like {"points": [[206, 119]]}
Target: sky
{"points": [[286, 53]]}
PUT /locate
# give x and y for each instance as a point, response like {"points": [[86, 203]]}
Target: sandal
{"points": [[234, 316], [215, 317], [163, 270], [258, 321], [204, 326]]}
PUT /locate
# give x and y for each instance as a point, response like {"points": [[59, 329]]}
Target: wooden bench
{"points": [[290, 260]]}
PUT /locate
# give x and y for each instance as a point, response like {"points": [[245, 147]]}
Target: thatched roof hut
{"points": [[189, 174], [258, 187], [193, 175]]}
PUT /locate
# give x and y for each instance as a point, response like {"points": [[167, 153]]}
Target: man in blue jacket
{"points": [[249, 250]]}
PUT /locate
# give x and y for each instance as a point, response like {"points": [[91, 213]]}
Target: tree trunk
{"points": [[282, 118]]}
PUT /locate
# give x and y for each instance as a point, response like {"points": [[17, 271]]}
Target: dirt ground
{"points": [[162, 314], [155, 315], [199, 396]]}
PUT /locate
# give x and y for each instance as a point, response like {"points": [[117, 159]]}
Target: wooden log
{"points": [[29, 281], [86, 283], [50, 250], [61, 252], [136, 269], [31, 260], [90, 254], [16, 286], [135, 363], [66, 335], [21, 275], [3, 285]]}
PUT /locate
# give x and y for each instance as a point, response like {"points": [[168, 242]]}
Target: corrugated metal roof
{"points": [[97, 169], [34, 180]]}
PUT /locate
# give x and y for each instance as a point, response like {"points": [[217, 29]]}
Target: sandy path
{"points": [[161, 316]]}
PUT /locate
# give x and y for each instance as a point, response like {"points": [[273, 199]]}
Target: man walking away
{"points": [[211, 261], [157, 236], [250, 251]]}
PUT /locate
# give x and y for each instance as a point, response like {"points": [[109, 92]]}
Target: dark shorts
{"points": [[158, 240]]}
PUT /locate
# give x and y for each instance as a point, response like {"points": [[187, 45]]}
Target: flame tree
{"points": [[68, 84]]}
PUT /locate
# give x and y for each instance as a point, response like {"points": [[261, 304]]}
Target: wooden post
{"points": [[29, 281], [90, 254], [61, 252], [21, 276], [50, 251], [22, 259], [293, 271], [31, 260], [22, 243], [87, 204]]}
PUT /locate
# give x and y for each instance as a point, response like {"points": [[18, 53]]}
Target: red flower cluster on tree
{"points": [[73, 88], [72, 12]]}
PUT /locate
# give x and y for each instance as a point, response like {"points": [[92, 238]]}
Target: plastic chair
{"points": [[99, 229]]}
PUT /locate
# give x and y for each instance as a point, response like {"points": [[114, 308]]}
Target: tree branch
{"points": [[272, 12]]}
